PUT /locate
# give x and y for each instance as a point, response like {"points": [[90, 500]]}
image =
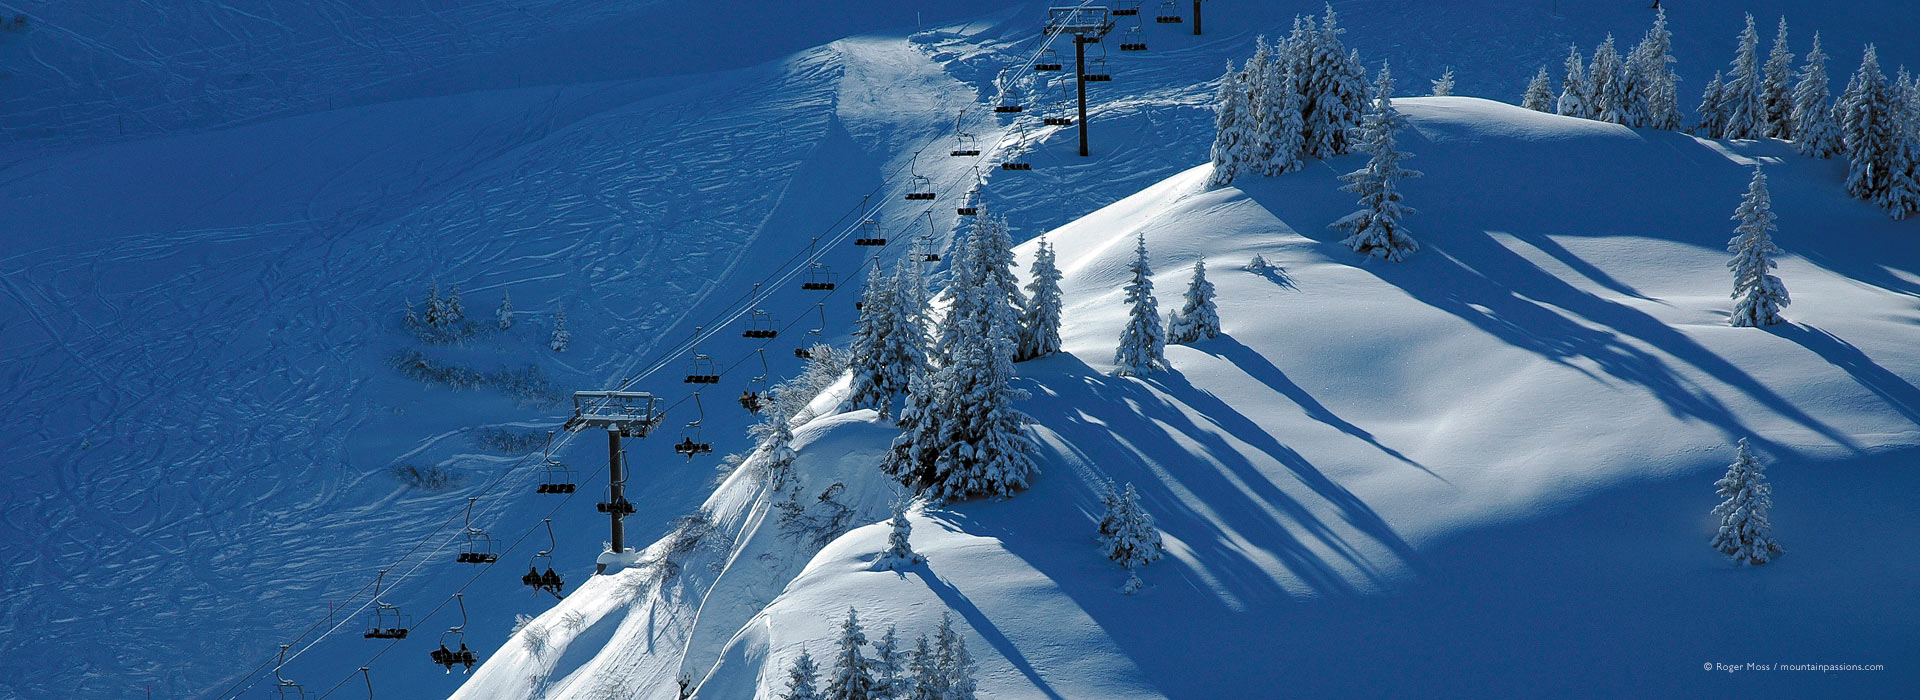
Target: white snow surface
{"points": [[1480, 469], [1485, 472]]}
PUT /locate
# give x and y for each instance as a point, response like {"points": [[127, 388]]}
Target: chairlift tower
{"points": [[1088, 25], [622, 414]]}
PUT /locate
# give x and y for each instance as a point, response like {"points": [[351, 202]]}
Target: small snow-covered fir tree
{"points": [[776, 445], [1776, 99], [1135, 541], [954, 665], [923, 673], [1712, 114], [1111, 512], [1869, 130], [1746, 533], [455, 311], [1376, 229], [560, 337], [1040, 321], [1758, 295], [1443, 86], [801, 678], [435, 310], [1573, 88], [890, 679], [879, 373], [1608, 87], [1259, 265], [504, 314], [1814, 132], [852, 678], [1658, 103], [1142, 349], [899, 554], [1198, 318], [1746, 117], [1233, 130], [411, 320], [1539, 97]]}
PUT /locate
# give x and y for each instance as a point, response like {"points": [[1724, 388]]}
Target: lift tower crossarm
{"points": [[1087, 25]]}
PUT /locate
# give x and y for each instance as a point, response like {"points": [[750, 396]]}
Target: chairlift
{"points": [[369, 678], [760, 325], [1097, 71], [549, 581], [554, 477], [869, 234], [822, 328], [386, 621], [970, 202], [1047, 62], [1127, 8], [289, 690], [448, 658], [753, 398], [479, 546], [620, 505], [919, 187], [704, 371], [1135, 40], [819, 276], [690, 443], [1015, 162], [965, 144], [1169, 13], [1007, 102]]}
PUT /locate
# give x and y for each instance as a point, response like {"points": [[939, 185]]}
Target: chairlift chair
{"points": [[1097, 72], [704, 371], [479, 546], [1007, 102], [1047, 62], [1135, 40], [753, 398], [965, 144], [554, 477], [1169, 13], [386, 622], [548, 581], [819, 278], [619, 505], [1127, 8], [869, 234], [289, 690], [760, 325], [448, 658]]}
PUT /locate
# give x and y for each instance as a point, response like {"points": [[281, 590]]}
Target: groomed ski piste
{"points": [[1485, 472]]}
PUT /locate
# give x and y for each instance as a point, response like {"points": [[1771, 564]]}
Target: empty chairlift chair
{"points": [[386, 622], [555, 477], [965, 145], [919, 187], [1169, 13], [1127, 8], [703, 371], [1047, 62], [479, 546], [1135, 40], [869, 234], [760, 325], [289, 690]]}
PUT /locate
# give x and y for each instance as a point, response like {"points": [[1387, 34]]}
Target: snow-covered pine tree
{"points": [[560, 337], [1903, 183], [1746, 533], [910, 459], [1815, 134], [1758, 295], [889, 671], [504, 314], [1375, 229], [981, 447], [999, 285], [801, 678], [1040, 323], [1608, 86], [1746, 117], [1143, 341], [1198, 318], [923, 671], [877, 377], [1869, 129], [852, 678], [1135, 541], [1289, 138], [1333, 86], [1111, 511], [1259, 265], [954, 665], [1443, 86], [776, 443], [1658, 102], [899, 554], [456, 312], [411, 320], [435, 312], [1573, 88], [1776, 99], [1233, 130], [1539, 97], [1713, 109], [1263, 73]]}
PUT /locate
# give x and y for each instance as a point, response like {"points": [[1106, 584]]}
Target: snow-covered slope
{"points": [[1482, 472], [197, 330]]}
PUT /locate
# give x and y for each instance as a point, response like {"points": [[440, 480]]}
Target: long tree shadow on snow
{"points": [[1898, 393]]}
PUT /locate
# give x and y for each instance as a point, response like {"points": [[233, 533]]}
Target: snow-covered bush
{"points": [[1198, 317], [1746, 533]]}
